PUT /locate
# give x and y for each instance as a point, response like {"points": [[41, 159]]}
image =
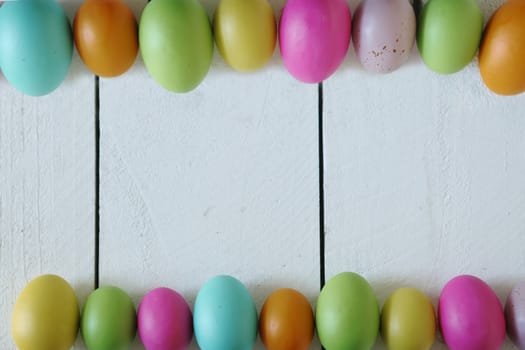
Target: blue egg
{"points": [[36, 45], [225, 317]]}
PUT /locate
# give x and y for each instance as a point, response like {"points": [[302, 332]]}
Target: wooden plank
{"points": [[222, 180], [46, 187], [424, 179]]}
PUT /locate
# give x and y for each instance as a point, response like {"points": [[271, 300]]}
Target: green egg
{"points": [[347, 313], [109, 320], [449, 33], [176, 43]]}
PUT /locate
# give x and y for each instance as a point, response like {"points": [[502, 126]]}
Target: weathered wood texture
{"points": [[46, 188], [222, 180], [424, 179]]}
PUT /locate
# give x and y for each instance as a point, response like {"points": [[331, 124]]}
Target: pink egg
{"points": [[470, 315], [314, 36], [164, 320]]}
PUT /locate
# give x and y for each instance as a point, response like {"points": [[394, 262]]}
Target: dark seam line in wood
{"points": [[97, 180], [321, 188]]}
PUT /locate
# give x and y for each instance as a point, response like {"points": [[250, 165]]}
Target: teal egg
{"points": [[449, 33], [224, 316], [36, 45], [176, 43], [347, 313]]}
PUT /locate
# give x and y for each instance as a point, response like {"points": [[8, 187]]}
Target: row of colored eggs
{"points": [[176, 40], [347, 316]]}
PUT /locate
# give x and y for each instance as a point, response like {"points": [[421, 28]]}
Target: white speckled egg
{"points": [[383, 34], [515, 315]]}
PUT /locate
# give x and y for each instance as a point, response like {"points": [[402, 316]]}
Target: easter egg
{"points": [[45, 315], [106, 36], [36, 45], [383, 33], [449, 33], [164, 320], [286, 321], [515, 315], [470, 315], [176, 43], [347, 313], [108, 319], [313, 37], [245, 33], [224, 315], [502, 50], [408, 320]]}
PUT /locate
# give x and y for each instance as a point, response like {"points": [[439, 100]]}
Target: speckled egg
{"points": [[515, 315], [384, 33]]}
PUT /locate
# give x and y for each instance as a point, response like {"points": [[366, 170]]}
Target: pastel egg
{"points": [[515, 315], [408, 320], [176, 43], [286, 321], [470, 315], [224, 315], [36, 45], [106, 36], [45, 315], [108, 319], [347, 313], [164, 320], [449, 33], [311, 49], [502, 50], [245, 33], [383, 33]]}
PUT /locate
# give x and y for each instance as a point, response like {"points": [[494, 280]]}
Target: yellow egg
{"points": [[408, 321], [245, 33], [45, 315]]}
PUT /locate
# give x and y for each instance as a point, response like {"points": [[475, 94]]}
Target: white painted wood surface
{"points": [[423, 181], [423, 178], [46, 188], [223, 180]]}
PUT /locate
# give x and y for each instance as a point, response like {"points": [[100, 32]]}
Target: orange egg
{"points": [[106, 36], [502, 51], [286, 321]]}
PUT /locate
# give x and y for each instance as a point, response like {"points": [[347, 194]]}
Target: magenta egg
{"points": [[314, 36], [470, 315], [164, 320]]}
